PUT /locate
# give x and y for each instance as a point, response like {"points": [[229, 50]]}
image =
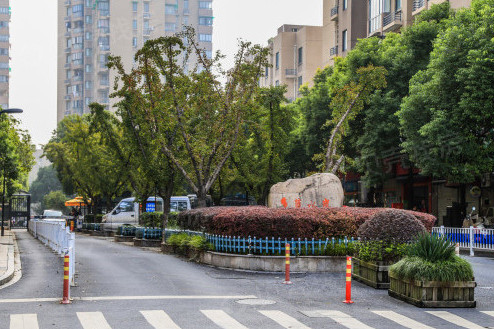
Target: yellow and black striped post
{"points": [[66, 286], [348, 297], [287, 264]]}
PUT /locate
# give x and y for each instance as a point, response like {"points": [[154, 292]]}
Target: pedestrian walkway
{"points": [[216, 318], [6, 257]]}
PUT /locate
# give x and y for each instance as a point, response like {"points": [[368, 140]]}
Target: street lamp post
{"points": [[8, 111]]}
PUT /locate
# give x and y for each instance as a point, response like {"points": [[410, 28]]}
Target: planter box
{"points": [[372, 274], [146, 243], [122, 238], [433, 293]]}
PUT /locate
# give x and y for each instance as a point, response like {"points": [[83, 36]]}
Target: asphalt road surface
{"points": [[120, 286]]}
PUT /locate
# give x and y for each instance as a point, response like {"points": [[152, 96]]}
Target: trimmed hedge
{"points": [[259, 221]]}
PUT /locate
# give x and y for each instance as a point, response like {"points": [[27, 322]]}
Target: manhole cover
{"points": [[256, 301]]}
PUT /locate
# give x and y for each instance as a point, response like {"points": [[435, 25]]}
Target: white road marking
{"points": [[159, 320], [455, 319], [340, 317], [402, 320], [103, 298], [284, 320], [93, 320], [491, 313], [24, 321], [223, 320]]}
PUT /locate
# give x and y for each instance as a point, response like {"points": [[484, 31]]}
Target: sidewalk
{"points": [[6, 257]]}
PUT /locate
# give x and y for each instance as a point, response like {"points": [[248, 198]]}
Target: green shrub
{"points": [[199, 243], [172, 220], [339, 249], [152, 219], [180, 240], [416, 268], [391, 225], [374, 251], [432, 248]]}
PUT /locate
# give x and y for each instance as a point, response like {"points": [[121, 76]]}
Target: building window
{"points": [[277, 83], [4, 24], [345, 4], [299, 82], [134, 6], [186, 5], [277, 60], [89, 68], [205, 37], [4, 38], [209, 54], [205, 5], [170, 9], [4, 10], [134, 42], [205, 20], [89, 35], [344, 41], [89, 3], [68, 74], [146, 7], [170, 27], [300, 55], [89, 52], [375, 15], [266, 71], [134, 24], [397, 5], [4, 78], [88, 84], [89, 19], [88, 100]]}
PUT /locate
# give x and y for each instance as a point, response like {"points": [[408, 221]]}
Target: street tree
{"points": [[45, 182], [447, 120], [198, 114]]}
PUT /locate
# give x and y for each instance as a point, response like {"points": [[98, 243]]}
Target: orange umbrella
{"points": [[77, 202]]}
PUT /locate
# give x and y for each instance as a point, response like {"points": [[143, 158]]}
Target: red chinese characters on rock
{"points": [[284, 203], [325, 203], [297, 203]]}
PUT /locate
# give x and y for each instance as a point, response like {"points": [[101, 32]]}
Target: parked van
{"points": [[127, 210]]}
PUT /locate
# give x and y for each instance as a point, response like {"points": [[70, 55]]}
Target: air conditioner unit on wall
{"points": [[486, 180]]}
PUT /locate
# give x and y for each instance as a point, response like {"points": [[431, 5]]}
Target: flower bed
{"points": [[317, 223]]}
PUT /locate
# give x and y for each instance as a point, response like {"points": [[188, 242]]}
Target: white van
{"points": [[127, 210]]}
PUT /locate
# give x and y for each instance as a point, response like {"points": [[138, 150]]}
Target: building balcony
{"points": [[290, 73], [67, 81], [333, 51], [392, 21], [67, 65], [186, 12], [67, 34], [67, 50], [146, 32], [146, 15], [375, 24], [68, 97], [104, 48], [78, 78], [334, 13], [418, 6], [67, 3], [67, 18]]}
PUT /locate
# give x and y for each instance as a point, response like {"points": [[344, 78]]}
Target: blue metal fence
{"points": [[273, 246], [472, 237]]}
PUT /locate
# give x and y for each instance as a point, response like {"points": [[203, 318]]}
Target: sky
{"points": [[33, 38]]}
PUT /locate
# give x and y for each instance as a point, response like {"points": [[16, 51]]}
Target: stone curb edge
{"points": [[9, 274]]}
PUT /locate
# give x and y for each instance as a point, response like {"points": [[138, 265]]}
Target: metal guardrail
{"points": [[290, 72], [274, 246], [417, 4], [333, 51], [55, 234], [334, 11], [472, 237], [389, 18]]}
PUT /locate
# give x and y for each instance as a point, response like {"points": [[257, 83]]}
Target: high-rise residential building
{"points": [[90, 30], [4, 53], [295, 57]]}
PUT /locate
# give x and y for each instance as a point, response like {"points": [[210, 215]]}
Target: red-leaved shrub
{"points": [[319, 223]]}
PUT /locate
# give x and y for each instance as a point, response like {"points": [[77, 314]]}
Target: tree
{"points": [[197, 118], [447, 120], [55, 200], [46, 182], [84, 162], [347, 103], [259, 160]]}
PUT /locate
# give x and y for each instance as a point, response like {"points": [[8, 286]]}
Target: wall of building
{"points": [[5, 53]]}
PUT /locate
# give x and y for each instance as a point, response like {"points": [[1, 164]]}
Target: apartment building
{"points": [[4, 53], [295, 56], [90, 30]]}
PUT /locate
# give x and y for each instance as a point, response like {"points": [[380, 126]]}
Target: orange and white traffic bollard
{"points": [[348, 298], [287, 264], [66, 286], [71, 226]]}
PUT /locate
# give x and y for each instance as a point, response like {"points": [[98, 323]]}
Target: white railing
{"points": [[58, 237], [472, 237]]}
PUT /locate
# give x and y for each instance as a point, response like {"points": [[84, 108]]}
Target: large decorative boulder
{"points": [[319, 190]]}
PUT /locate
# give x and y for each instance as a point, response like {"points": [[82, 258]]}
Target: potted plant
{"points": [[383, 241], [431, 275]]}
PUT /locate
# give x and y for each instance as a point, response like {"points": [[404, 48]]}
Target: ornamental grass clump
{"points": [[432, 258], [385, 235]]}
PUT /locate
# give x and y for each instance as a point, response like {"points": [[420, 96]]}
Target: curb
{"points": [[9, 274]]}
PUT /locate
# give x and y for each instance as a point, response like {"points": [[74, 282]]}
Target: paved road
{"points": [[126, 287]]}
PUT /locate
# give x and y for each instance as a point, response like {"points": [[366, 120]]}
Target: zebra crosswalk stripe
{"points": [[402, 320], [455, 319], [340, 317], [284, 320], [24, 321], [93, 320], [222, 319], [159, 320], [491, 313]]}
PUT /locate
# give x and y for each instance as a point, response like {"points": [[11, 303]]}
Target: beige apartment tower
{"points": [[90, 30], [4, 53]]}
